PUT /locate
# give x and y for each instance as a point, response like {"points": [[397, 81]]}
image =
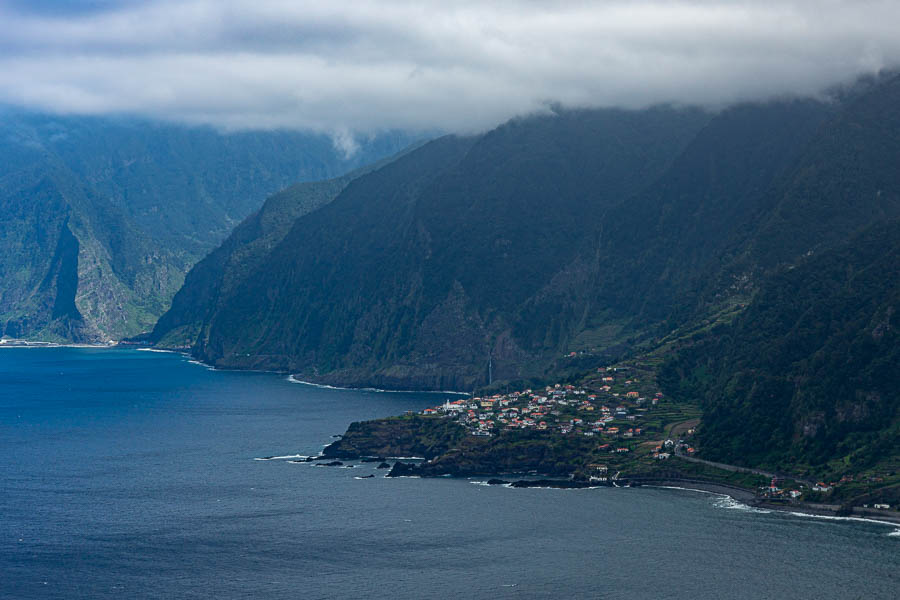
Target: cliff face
{"points": [[73, 267], [400, 436], [419, 273], [768, 231], [100, 219], [214, 280], [488, 258]]}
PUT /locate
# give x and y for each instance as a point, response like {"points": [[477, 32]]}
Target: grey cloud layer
{"points": [[365, 65]]}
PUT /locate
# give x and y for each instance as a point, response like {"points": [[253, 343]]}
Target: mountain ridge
{"points": [[144, 201]]}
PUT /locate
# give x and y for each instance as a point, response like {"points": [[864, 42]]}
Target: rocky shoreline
{"points": [[521, 460], [742, 495]]}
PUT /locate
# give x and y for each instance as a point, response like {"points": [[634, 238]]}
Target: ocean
{"points": [[136, 474]]}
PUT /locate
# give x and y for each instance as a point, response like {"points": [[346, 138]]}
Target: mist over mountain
{"points": [[483, 259], [103, 217], [571, 232], [645, 249], [361, 66]]}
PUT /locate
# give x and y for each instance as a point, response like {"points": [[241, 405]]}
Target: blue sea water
{"points": [[130, 474]]}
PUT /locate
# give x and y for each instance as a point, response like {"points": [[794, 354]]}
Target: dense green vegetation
{"points": [[807, 376], [423, 272], [805, 379], [490, 257], [216, 278], [723, 244], [101, 218]]}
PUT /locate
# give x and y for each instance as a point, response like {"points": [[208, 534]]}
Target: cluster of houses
{"points": [[666, 449], [566, 409], [774, 492]]}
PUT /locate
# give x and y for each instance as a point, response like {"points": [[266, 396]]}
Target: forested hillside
{"points": [[101, 218], [217, 277], [810, 372], [768, 230], [418, 273]]}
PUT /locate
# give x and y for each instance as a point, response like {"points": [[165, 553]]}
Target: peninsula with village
{"points": [[612, 428]]}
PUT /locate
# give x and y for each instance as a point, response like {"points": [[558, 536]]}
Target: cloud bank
{"points": [[353, 67]]}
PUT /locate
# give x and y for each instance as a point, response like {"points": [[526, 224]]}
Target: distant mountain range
{"points": [[101, 218]]}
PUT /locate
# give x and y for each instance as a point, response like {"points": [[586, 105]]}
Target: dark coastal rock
{"points": [[401, 469], [369, 476], [383, 465], [497, 482], [334, 463], [413, 435]]}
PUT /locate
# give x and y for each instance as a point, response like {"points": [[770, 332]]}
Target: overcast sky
{"points": [[360, 66]]}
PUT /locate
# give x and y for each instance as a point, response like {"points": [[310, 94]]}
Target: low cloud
{"points": [[355, 67]]}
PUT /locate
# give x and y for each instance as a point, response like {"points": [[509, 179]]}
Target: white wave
{"points": [[727, 502], [27, 344], [405, 458], [836, 518], [285, 457], [507, 485], [157, 350], [202, 364], [293, 379], [684, 489], [363, 477], [325, 386], [724, 500], [731, 504]]}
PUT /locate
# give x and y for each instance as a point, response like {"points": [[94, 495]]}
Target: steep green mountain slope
{"points": [[669, 243], [810, 372], [112, 214], [73, 266], [486, 258], [415, 274], [212, 281], [806, 376], [846, 180], [770, 231]]}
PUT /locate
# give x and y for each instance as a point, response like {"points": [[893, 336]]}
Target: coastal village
{"points": [[619, 407], [613, 426]]}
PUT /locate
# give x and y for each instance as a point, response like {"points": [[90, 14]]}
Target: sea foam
{"points": [[325, 386], [731, 504], [896, 532], [285, 457]]}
